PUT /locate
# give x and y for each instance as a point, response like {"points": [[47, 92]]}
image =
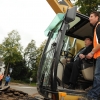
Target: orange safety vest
{"points": [[95, 42], [1, 77]]}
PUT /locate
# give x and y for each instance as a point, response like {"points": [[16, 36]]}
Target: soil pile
{"points": [[6, 93]]}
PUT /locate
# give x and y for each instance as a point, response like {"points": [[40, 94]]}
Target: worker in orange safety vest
{"points": [[94, 93], [1, 78]]}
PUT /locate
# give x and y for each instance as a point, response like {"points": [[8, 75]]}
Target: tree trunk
{"points": [[6, 72]]}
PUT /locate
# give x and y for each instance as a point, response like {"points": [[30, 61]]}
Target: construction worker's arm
{"points": [[96, 49]]}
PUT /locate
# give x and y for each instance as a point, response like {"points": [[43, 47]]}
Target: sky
{"points": [[29, 17]]}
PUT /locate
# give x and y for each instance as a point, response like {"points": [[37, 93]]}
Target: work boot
{"points": [[82, 98], [87, 89], [71, 86], [65, 85]]}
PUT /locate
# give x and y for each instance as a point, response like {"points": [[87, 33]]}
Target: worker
{"points": [[7, 80], [94, 93], [72, 69], [1, 78]]}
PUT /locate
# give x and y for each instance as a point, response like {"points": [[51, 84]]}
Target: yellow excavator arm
{"points": [[60, 6]]}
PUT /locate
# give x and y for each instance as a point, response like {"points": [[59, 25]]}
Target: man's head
{"points": [[88, 40], [94, 17], [8, 75]]}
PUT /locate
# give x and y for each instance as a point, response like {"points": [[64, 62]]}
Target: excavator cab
{"points": [[65, 37]]}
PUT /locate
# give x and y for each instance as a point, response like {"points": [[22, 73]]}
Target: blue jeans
{"points": [[95, 91]]}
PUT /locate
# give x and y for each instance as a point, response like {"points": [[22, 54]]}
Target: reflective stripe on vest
{"points": [[95, 42]]}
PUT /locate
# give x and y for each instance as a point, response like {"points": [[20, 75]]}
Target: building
{"points": [[2, 67]]}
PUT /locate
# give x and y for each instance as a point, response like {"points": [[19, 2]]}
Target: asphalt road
{"points": [[25, 88]]}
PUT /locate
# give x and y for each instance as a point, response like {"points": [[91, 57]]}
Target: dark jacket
{"points": [[84, 51]]}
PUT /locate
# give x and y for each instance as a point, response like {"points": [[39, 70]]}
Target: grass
{"points": [[22, 82], [32, 84]]}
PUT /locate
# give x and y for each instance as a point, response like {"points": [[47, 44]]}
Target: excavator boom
{"points": [[60, 6]]}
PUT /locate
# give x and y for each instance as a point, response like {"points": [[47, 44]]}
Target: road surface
{"points": [[25, 88]]}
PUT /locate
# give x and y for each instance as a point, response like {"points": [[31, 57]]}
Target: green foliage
{"points": [[20, 72], [87, 6], [11, 48], [30, 54], [40, 51], [24, 66]]}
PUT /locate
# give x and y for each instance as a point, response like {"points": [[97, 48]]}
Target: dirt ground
{"points": [[6, 93]]}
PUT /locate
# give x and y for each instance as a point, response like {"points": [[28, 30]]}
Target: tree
{"points": [[20, 71], [87, 6], [11, 49], [40, 51], [30, 54]]}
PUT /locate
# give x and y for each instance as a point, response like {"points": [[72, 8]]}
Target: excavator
{"points": [[65, 34]]}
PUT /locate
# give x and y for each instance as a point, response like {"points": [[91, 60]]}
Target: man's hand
{"points": [[82, 56], [89, 56]]}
